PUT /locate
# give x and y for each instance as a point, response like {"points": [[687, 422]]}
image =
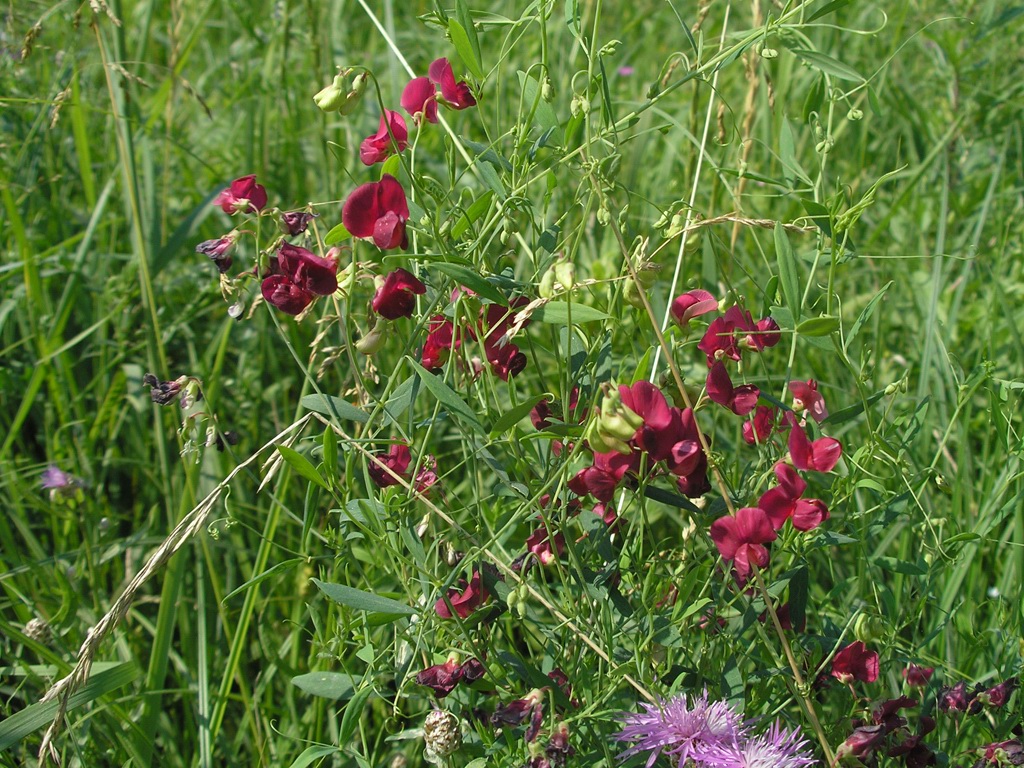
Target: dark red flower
{"points": [[820, 456], [296, 277], [397, 295], [997, 695], [504, 356], [916, 676], [419, 99], [442, 339], [806, 397], [887, 713], [464, 602], [545, 547], [765, 334], [391, 136], [455, 94], [692, 304], [742, 539], [862, 742], [602, 478], [244, 195], [397, 459], [954, 699], [759, 428], [472, 670], [740, 400], [855, 662], [378, 210], [442, 678], [783, 502], [295, 222], [516, 713], [719, 340]]}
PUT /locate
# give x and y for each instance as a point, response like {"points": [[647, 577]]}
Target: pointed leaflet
{"points": [[363, 601], [448, 397], [787, 270]]}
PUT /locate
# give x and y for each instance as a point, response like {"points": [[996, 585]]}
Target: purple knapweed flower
{"points": [[684, 730], [775, 748], [56, 479]]}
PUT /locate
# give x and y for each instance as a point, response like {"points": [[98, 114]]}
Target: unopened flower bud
{"points": [[546, 289], [565, 273], [547, 91], [855, 114], [604, 216], [824, 146], [332, 98], [352, 97], [769, 53], [869, 628], [631, 293], [371, 343]]}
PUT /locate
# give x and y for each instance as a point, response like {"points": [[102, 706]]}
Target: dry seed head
{"points": [[442, 733], [39, 631]]}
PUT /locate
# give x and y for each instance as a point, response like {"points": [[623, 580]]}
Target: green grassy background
{"points": [[114, 141]]}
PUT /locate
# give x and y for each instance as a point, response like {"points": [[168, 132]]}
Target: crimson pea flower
{"points": [[219, 250], [855, 662], [692, 304], [456, 94], [442, 678], [531, 707], [783, 502], [742, 539], [917, 676], [504, 356], [296, 277], [419, 99], [397, 459], [442, 338], [740, 400], [545, 547], [820, 456], [766, 333], [464, 602], [602, 478], [721, 339], [244, 195], [378, 210], [864, 740], [806, 397], [380, 145], [759, 429], [396, 296]]}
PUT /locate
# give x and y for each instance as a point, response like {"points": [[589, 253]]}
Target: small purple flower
{"points": [[219, 250], [681, 729], [775, 748], [295, 222], [61, 485]]}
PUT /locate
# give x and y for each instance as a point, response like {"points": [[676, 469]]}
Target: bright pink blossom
{"points": [[296, 277], [740, 400], [742, 539], [464, 602], [244, 195], [378, 210], [392, 136], [419, 99], [806, 397], [692, 304], [397, 296], [602, 478], [820, 456], [455, 94], [855, 662], [784, 502]]}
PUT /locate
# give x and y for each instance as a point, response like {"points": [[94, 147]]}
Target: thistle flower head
{"points": [[775, 748]]}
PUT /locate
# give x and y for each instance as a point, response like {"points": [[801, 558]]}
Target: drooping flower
{"points": [[954, 699], [464, 601], [864, 740], [602, 478], [692, 304], [442, 339], [396, 296], [296, 222], [766, 334], [784, 502], [855, 662], [820, 456], [391, 136], [741, 538], [244, 195], [496, 320], [681, 729], [378, 210], [759, 428], [806, 397], [455, 94], [775, 748], [740, 400], [296, 277], [530, 707], [219, 250], [397, 459], [442, 678], [545, 547]]}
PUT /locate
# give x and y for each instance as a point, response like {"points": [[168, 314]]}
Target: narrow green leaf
{"points": [[865, 315], [472, 280], [466, 20], [312, 754], [330, 451], [336, 235], [828, 65], [558, 313], [448, 397], [302, 465], [460, 39], [827, 8], [353, 711], [363, 601], [544, 114], [514, 415], [819, 214], [788, 277], [818, 326], [281, 567], [41, 714], [852, 411], [478, 208], [327, 685], [693, 607], [334, 407]]}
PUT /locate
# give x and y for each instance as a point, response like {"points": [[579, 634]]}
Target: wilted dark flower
{"points": [[464, 602], [517, 712], [219, 250], [295, 222], [396, 296], [183, 389], [855, 662]]}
